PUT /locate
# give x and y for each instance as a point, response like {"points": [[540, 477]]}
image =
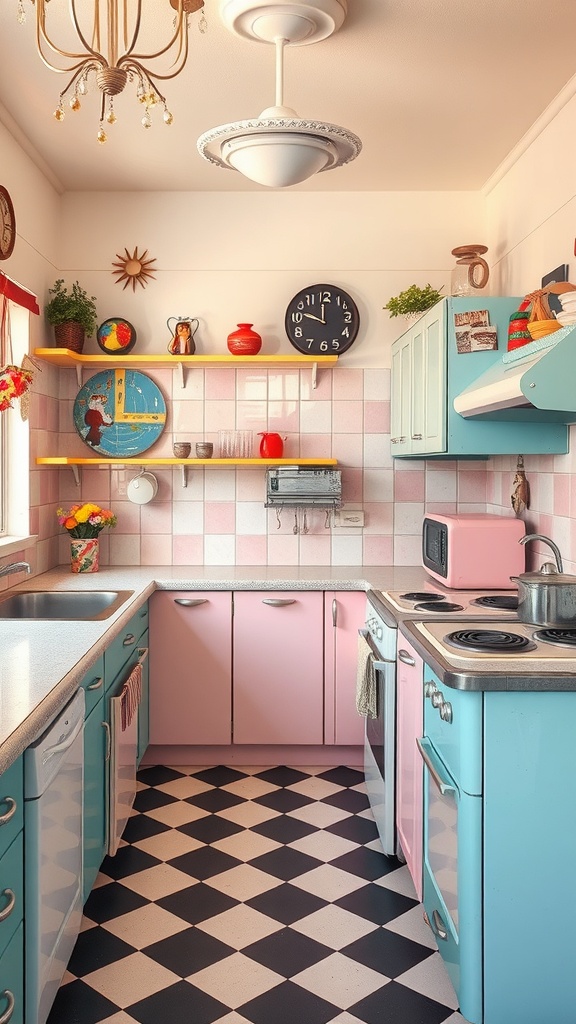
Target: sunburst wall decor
{"points": [[133, 268]]}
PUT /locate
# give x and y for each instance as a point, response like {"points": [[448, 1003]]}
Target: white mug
{"points": [[142, 489]]}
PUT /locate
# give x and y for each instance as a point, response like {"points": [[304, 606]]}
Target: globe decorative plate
{"points": [[119, 413], [116, 337]]}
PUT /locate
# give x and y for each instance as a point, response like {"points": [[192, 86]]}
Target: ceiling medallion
{"points": [[108, 47], [279, 148], [133, 268]]}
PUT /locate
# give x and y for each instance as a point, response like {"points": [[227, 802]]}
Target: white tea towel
{"points": [[366, 689], [131, 696]]}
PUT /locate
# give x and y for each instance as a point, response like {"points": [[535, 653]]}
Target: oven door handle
{"points": [[380, 663], [425, 748]]}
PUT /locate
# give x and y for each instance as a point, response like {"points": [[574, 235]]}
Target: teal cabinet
{"points": [[11, 894], [95, 748], [429, 372], [144, 709], [12, 979]]}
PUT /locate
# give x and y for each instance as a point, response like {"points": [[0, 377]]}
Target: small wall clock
{"points": [[322, 320], [7, 224]]}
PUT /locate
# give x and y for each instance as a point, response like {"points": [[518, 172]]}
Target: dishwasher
{"points": [[53, 782]]}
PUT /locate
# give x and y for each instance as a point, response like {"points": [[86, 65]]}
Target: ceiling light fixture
{"points": [[108, 33], [278, 148]]}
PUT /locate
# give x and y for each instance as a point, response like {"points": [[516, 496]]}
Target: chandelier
{"points": [[108, 33], [278, 148]]}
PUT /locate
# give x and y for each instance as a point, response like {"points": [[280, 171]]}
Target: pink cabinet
{"points": [[344, 615], [409, 725], [190, 667], [278, 667]]}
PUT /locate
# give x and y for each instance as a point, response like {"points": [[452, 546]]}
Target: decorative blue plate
{"points": [[119, 413]]}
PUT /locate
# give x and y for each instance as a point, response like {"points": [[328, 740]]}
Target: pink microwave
{"points": [[473, 551]]}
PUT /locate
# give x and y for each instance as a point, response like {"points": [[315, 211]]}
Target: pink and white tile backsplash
{"points": [[219, 518]]}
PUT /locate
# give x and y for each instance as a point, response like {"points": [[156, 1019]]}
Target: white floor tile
{"points": [[340, 980], [130, 979], [431, 979], [239, 977], [146, 925], [240, 926], [334, 927], [329, 883]]}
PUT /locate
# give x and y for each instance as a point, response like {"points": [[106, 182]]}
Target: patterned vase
{"points": [[84, 555], [244, 341]]}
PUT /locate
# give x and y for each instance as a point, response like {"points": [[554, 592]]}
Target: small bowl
{"points": [[204, 449], [181, 449]]}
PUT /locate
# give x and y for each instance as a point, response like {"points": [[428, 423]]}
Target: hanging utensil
{"points": [[295, 527], [520, 496]]}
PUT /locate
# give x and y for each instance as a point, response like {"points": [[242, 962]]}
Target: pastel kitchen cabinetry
{"points": [[429, 371], [191, 667], [344, 615], [278, 667], [95, 749], [409, 772], [11, 894]]}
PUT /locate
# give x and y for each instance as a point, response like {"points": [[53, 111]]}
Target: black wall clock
{"points": [[7, 224], [322, 320]]}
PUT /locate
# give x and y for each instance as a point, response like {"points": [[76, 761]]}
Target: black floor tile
{"points": [[348, 800], [376, 903], [286, 903], [357, 829], [366, 863], [285, 863], [221, 775], [188, 951], [77, 1003], [284, 829], [181, 1002], [215, 800], [343, 776], [210, 829], [110, 901], [128, 860], [95, 948], [157, 775], [385, 951], [204, 862], [395, 1003], [287, 952], [142, 826], [150, 799], [286, 1004], [197, 904], [283, 800], [282, 776]]}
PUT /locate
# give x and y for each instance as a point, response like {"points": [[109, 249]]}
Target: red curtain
{"points": [[16, 293]]}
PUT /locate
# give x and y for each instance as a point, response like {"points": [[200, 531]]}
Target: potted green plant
{"points": [[72, 314], [413, 301]]}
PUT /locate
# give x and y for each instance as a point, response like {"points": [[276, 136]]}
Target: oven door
{"points": [[380, 751], [453, 878]]}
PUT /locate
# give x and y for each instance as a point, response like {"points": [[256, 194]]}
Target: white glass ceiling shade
{"points": [[279, 149]]}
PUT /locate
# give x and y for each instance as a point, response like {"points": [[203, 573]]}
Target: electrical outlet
{"points": [[349, 517]]}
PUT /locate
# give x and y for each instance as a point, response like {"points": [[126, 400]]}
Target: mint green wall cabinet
{"points": [[11, 894], [428, 372]]}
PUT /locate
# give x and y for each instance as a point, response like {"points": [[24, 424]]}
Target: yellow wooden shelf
{"points": [[65, 460], [75, 360]]}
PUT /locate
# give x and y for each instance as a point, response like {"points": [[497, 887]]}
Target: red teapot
{"points": [[271, 445]]}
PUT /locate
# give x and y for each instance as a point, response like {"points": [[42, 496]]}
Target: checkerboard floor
{"points": [[253, 896]]}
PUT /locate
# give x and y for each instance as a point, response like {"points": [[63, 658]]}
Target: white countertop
{"points": [[42, 662]]}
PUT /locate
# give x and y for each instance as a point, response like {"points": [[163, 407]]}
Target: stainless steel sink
{"points": [[66, 605]]}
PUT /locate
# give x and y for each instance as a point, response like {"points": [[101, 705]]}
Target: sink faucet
{"points": [[550, 543], [5, 570]]}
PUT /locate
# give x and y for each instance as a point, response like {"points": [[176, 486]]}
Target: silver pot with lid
{"points": [[546, 597]]}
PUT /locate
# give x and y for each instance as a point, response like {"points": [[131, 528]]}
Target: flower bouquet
{"points": [[84, 523]]}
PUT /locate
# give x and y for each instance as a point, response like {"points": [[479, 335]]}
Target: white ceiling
{"points": [[439, 91]]}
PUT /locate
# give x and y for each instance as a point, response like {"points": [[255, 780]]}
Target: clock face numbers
{"points": [[322, 320], [7, 224]]}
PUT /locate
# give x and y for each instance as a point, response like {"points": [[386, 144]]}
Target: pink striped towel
{"points": [[131, 696]]}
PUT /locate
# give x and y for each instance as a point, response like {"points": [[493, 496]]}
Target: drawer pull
{"points": [[406, 658], [189, 602], [142, 654], [10, 1010], [129, 639], [5, 818], [10, 905], [278, 602], [96, 684], [438, 926], [108, 743]]}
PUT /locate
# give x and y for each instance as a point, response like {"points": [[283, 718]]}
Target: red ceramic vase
{"points": [[271, 446], [244, 341]]}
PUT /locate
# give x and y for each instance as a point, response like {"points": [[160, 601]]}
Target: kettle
{"points": [[271, 445]]}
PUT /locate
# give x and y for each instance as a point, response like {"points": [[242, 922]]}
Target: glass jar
{"points": [[471, 273]]}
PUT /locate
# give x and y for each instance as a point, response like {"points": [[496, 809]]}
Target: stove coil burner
{"points": [[556, 637], [421, 595], [489, 640], [438, 606], [497, 601]]}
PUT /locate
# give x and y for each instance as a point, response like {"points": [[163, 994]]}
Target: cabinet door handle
{"points": [[10, 905], [406, 658], [443, 786], [129, 639], [142, 654], [10, 1010], [416, 437], [438, 926], [334, 612], [5, 818], [188, 602], [96, 684], [278, 602], [108, 743]]}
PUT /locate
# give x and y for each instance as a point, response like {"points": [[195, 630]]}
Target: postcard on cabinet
{"points": [[472, 318], [483, 338]]}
